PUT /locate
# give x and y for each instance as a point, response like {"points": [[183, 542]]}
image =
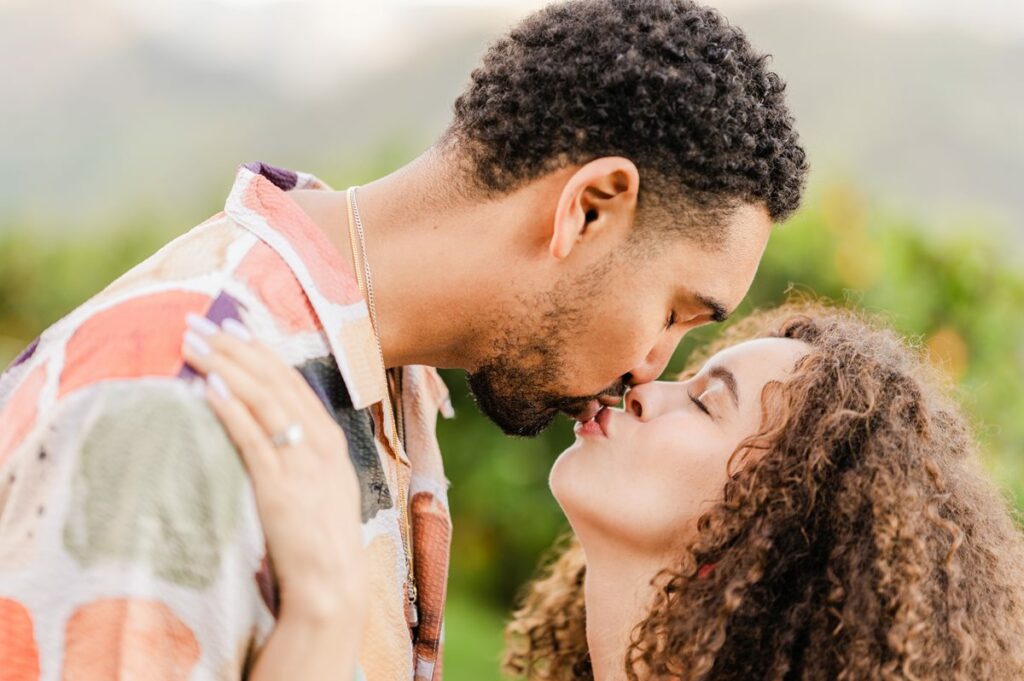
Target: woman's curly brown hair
{"points": [[861, 541]]}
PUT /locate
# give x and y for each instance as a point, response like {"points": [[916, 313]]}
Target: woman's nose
{"points": [[646, 401]]}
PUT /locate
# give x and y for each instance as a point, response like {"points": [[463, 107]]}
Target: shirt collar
{"points": [[260, 203]]}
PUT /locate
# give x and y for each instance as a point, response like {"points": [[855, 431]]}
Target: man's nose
{"points": [[655, 362]]}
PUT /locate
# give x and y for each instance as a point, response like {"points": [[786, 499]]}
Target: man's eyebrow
{"points": [[718, 311], [729, 379]]}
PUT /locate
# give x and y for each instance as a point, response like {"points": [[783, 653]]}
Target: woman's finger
{"points": [[276, 371], [251, 353], [235, 341], [263, 400], [250, 438]]}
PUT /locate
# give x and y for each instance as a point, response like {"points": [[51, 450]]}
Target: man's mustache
{"points": [[608, 397]]}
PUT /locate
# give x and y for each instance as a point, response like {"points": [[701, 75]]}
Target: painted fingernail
{"points": [[201, 325], [235, 328], [219, 386], [196, 344]]}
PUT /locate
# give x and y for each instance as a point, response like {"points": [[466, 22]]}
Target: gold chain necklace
{"points": [[362, 267]]}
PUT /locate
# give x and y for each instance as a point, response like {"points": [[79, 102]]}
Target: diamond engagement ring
{"points": [[292, 435]]}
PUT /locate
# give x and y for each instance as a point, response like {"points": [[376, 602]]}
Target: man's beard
{"points": [[514, 387], [515, 399]]}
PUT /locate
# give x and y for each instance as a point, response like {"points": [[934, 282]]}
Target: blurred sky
{"points": [[144, 107]]}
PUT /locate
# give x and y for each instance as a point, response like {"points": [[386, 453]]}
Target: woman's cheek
{"points": [[682, 440], [693, 460]]}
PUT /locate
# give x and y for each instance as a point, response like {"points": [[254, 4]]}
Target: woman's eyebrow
{"points": [[727, 377]]}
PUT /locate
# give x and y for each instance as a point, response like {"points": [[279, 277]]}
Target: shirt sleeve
{"points": [[130, 547]]}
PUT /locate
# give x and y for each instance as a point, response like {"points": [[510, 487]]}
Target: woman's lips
{"points": [[597, 426], [603, 419]]}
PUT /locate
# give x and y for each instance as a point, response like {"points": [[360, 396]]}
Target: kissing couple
{"points": [[224, 465]]}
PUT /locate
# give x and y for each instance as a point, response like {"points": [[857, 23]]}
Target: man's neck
{"points": [[426, 251], [618, 595]]}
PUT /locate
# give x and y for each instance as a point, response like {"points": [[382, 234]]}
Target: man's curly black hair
{"points": [[668, 84]]}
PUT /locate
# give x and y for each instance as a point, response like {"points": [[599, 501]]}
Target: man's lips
{"points": [[592, 407], [597, 426], [588, 412]]}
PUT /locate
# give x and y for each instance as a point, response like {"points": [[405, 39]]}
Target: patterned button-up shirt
{"points": [[130, 544]]}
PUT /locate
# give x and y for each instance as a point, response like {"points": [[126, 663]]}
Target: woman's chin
{"points": [[561, 477], [578, 455], [573, 479]]}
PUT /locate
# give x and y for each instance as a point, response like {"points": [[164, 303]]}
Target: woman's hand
{"points": [[307, 492]]}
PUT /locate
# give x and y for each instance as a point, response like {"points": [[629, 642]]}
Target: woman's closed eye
{"points": [[700, 404]]}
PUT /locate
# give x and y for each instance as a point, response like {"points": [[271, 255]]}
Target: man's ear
{"points": [[601, 194]]}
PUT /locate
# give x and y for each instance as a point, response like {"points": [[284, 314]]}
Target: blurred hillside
{"points": [[108, 104]]}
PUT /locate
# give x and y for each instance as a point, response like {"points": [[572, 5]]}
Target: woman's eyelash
{"points": [[700, 405], [671, 320]]}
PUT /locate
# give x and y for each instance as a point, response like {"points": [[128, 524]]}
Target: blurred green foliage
{"points": [[954, 293]]}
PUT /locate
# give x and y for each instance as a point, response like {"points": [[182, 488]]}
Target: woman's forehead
{"points": [[776, 356]]}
